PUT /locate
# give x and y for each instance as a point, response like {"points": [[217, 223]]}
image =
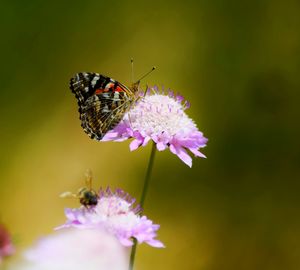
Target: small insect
{"points": [[102, 101], [86, 195]]}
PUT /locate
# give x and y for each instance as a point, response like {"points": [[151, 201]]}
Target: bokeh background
{"points": [[238, 63]]}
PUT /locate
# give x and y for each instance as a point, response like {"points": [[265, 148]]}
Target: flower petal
{"points": [[197, 153], [116, 213], [160, 117], [161, 146], [126, 242], [135, 144], [156, 243], [146, 140], [182, 154]]}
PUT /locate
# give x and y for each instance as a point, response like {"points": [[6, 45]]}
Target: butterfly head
{"points": [[135, 87]]}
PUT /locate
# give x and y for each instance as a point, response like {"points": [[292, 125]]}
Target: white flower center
{"points": [[116, 212], [156, 114], [112, 206]]}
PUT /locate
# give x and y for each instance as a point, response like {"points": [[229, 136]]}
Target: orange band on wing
{"points": [[119, 89], [99, 91]]}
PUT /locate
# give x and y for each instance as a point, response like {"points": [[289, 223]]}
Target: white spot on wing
{"points": [[105, 109], [116, 96], [94, 81]]}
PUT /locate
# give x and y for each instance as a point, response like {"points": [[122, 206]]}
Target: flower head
{"points": [[75, 250], [115, 212], [162, 119], [6, 246]]}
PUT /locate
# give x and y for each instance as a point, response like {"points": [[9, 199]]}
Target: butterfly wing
{"points": [[102, 102]]}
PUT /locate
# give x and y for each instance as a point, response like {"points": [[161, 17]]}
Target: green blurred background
{"points": [[238, 63]]}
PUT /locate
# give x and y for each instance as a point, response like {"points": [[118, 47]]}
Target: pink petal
{"points": [[109, 136], [135, 144], [146, 140], [126, 242], [161, 146], [8, 250], [61, 227], [70, 214], [197, 153], [121, 139], [156, 243], [182, 154], [173, 149]]}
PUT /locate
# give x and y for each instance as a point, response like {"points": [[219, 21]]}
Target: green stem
{"points": [[142, 201], [148, 176], [132, 254]]}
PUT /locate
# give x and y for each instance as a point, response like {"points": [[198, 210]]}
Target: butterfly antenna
{"points": [[132, 74], [153, 68]]}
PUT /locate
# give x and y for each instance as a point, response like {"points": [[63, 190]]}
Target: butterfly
{"points": [[102, 102]]}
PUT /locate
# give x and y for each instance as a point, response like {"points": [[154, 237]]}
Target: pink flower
{"points": [[75, 250], [115, 213], [162, 119], [6, 246]]}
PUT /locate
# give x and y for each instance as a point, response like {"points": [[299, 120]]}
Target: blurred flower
{"points": [[75, 250], [6, 246], [115, 212], [161, 118]]}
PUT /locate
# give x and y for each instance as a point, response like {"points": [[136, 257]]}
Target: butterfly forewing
{"points": [[102, 102]]}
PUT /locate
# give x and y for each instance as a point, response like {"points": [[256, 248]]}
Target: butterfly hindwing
{"points": [[102, 102]]}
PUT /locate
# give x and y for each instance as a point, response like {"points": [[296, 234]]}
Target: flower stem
{"points": [[132, 254], [148, 175], [142, 200]]}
